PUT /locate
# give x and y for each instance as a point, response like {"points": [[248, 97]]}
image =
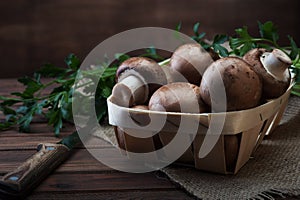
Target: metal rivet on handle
{"points": [[50, 148], [13, 178]]}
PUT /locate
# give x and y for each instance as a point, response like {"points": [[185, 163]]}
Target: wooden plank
{"points": [[9, 143], [39, 128], [14, 157], [167, 194], [14, 133], [29, 141], [103, 182], [79, 161], [8, 85]]}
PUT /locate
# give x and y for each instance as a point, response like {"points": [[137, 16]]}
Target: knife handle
{"points": [[29, 174]]}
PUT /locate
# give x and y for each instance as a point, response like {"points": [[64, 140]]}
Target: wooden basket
{"points": [[249, 126]]}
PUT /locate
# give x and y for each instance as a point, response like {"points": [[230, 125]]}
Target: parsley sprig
{"points": [[55, 106]]}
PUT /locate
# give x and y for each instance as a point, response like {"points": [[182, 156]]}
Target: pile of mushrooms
{"points": [[248, 81], [195, 73]]}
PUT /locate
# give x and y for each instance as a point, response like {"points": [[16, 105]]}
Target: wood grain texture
{"points": [[35, 32], [120, 195], [97, 182], [80, 161]]}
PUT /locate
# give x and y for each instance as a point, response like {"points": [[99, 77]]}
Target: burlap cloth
{"points": [[273, 171]]}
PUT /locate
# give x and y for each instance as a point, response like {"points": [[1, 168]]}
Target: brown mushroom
{"points": [[242, 85], [141, 118], [138, 78], [231, 148], [173, 75], [191, 60], [120, 136], [273, 68], [177, 97]]}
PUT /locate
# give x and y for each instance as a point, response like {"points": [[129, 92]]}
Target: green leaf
{"points": [[201, 35], [221, 50], [6, 125], [40, 106], [32, 87], [58, 125], [24, 122], [121, 57], [178, 27], [199, 38], [268, 31], [49, 70], [246, 47], [106, 92], [55, 119], [196, 28], [66, 111], [71, 140], [242, 44], [101, 108], [220, 39], [204, 45], [234, 43], [195, 38], [7, 111], [151, 53], [22, 110], [243, 33], [297, 93], [37, 77], [73, 62], [11, 118], [294, 51], [8, 101]]}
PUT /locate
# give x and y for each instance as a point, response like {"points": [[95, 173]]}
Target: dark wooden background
{"points": [[33, 32]]}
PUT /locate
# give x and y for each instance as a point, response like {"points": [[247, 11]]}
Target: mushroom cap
{"points": [[151, 72], [177, 97], [191, 60], [242, 85], [272, 88], [173, 75]]}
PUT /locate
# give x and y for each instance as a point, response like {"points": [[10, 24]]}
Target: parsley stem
{"points": [[45, 86], [266, 40]]}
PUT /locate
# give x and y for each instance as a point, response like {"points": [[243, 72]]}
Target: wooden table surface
{"points": [[81, 176]]}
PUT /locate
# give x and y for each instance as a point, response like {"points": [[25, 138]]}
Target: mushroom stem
{"points": [[130, 90], [276, 63]]}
